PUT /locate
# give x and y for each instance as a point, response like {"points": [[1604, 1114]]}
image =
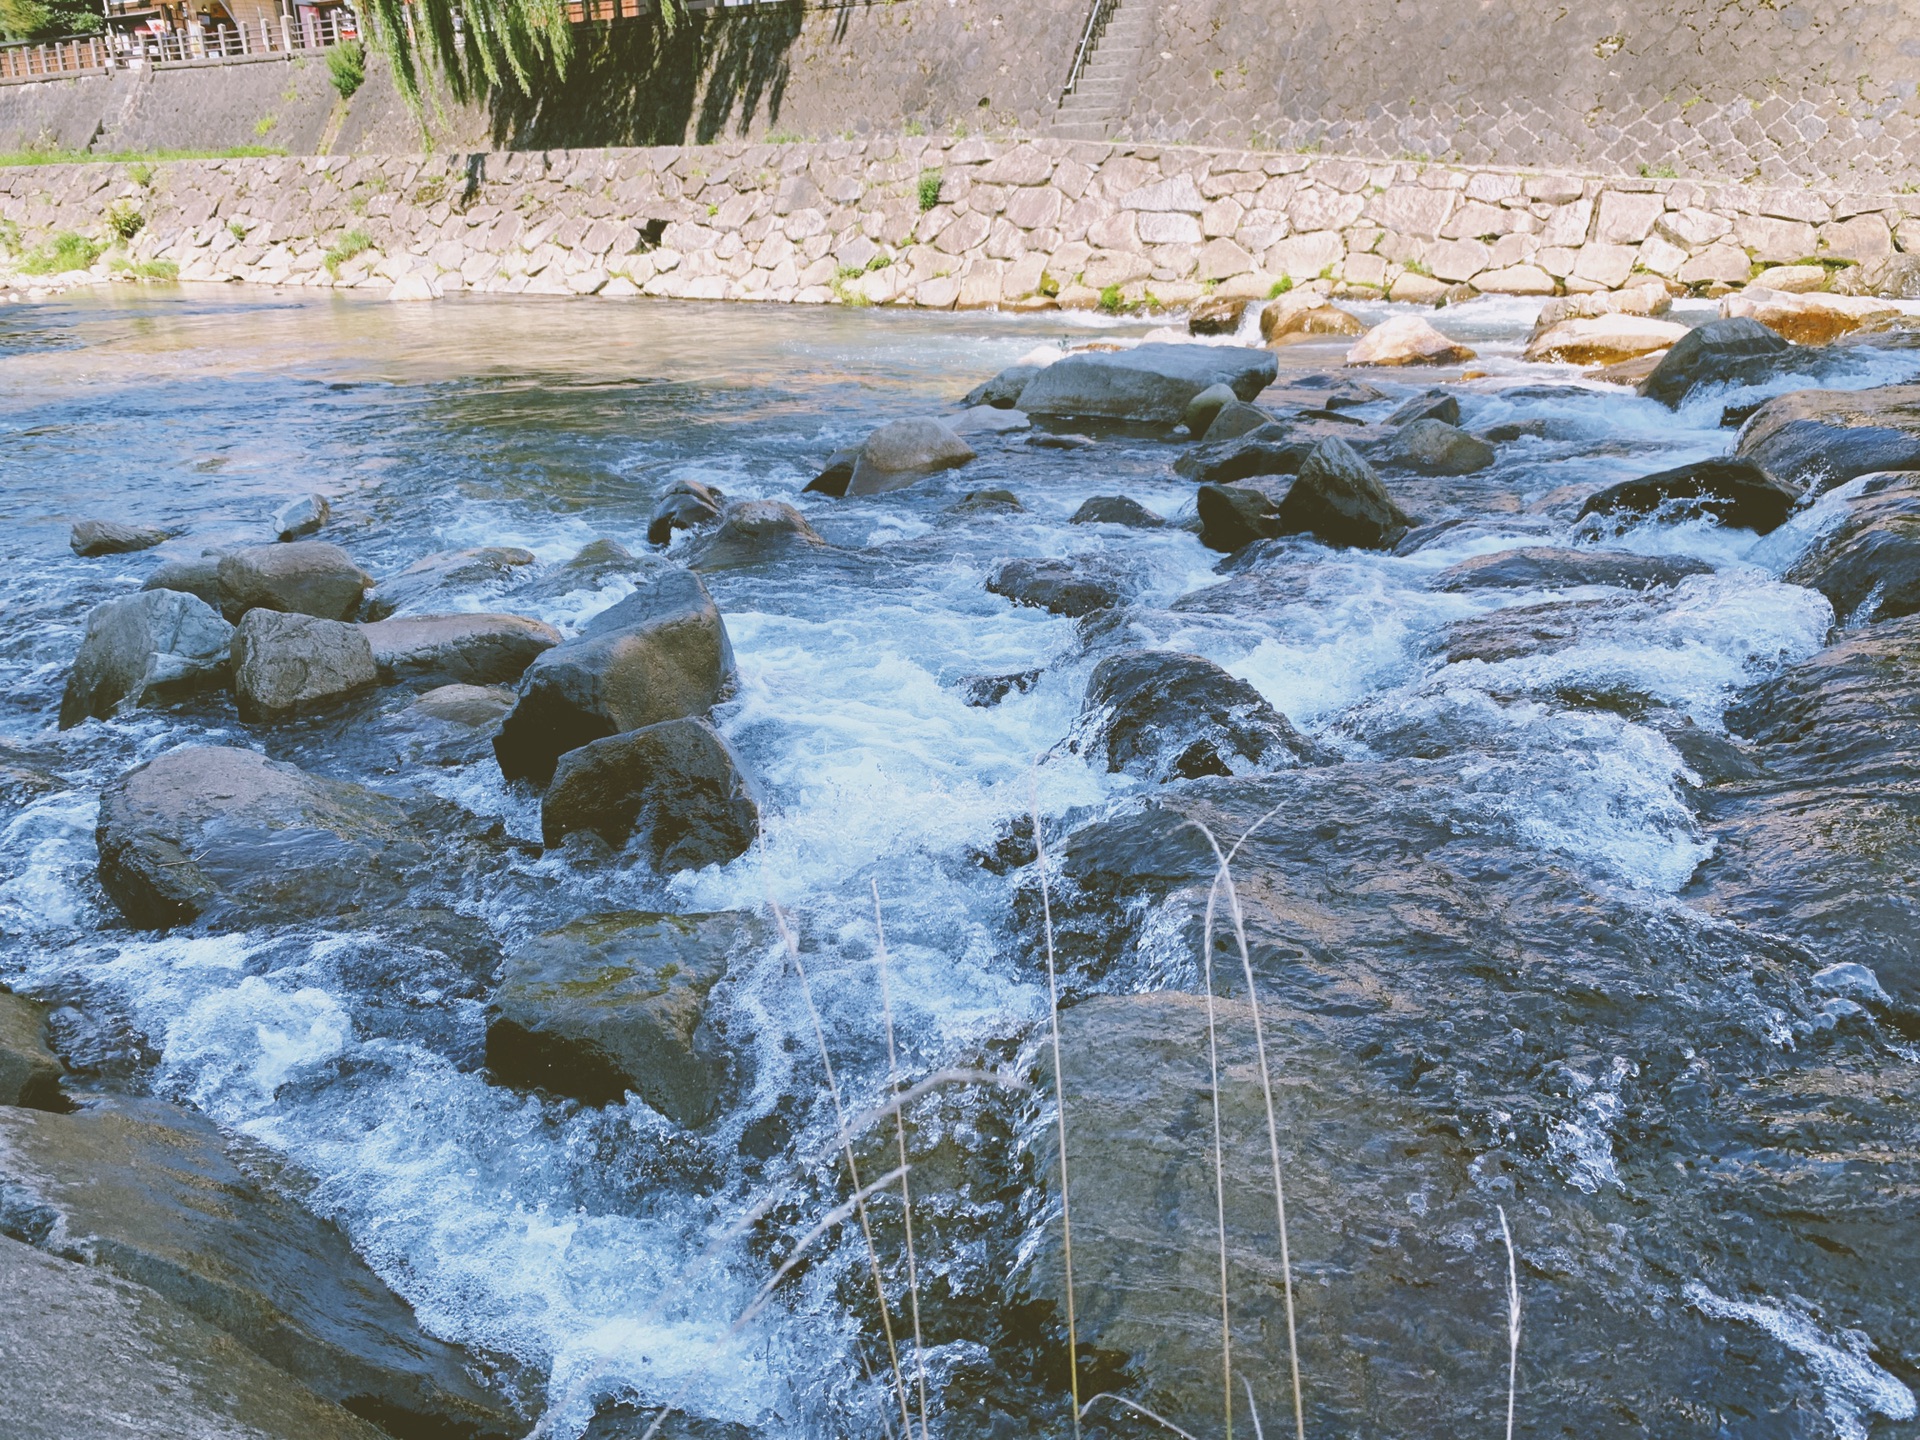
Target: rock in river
{"points": [[1151, 383], [287, 665], [148, 1191], [687, 505], [660, 654], [301, 517], [1735, 351], [198, 577], [92, 538], [1433, 447], [148, 647], [1603, 340], [1871, 555], [1734, 492], [1339, 501], [903, 452], [1813, 440], [432, 578], [1117, 510], [1063, 586], [29, 1072], [675, 788], [1407, 340], [1234, 516], [306, 577], [614, 1003], [426, 651], [1541, 567], [1003, 391], [229, 835], [1808, 319], [754, 532], [1164, 715]]}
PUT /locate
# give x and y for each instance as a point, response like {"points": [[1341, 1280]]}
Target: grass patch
{"points": [[125, 220], [354, 242], [66, 251], [1280, 287], [930, 181], [148, 269], [137, 158], [1110, 300]]}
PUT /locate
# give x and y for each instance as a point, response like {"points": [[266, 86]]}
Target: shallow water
{"points": [[594, 1254]]}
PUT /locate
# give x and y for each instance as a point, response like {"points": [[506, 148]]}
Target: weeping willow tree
{"points": [[476, 46]]}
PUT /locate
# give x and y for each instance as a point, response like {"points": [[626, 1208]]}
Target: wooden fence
{"points": [[253, 40]]}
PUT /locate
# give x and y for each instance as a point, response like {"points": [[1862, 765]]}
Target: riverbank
{"points": [[930, 221]]}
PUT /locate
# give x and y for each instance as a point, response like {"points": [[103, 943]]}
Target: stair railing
{"points": [[1097, 19]]}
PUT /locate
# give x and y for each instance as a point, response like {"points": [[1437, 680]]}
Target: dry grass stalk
{"points": [[1136, 1407], [1219, 1162], [1060, 1106], [1513, 1320], [1253, 1408], [900, 1134]]}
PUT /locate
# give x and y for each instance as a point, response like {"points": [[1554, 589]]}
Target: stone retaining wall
{"points": [[1033, 223]]}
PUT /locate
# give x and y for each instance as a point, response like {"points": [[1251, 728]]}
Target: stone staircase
{"points": [[1100, 97]]}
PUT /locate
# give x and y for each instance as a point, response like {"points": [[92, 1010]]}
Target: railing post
{"points": [[286, 32]]}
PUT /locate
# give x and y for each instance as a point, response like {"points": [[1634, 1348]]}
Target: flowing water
{"points": [[595, 1254]]}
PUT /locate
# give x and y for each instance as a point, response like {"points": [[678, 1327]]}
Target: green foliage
{"points": [[124, 219], [929, 189], [353, 243], [48, 19], [237, 230], [347, 67], [1659, 172], [9, 238], [66, 251], [1110, 300], [431, 192], [264, 125], [1049, 286], [140, 169], [149, 269], [1280, 287], [915, 127], [499, 44]]}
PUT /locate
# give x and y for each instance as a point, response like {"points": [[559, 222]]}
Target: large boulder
{"points": [[1407, 340], [286, 665], [1433, 447], [1064, 586], [1202, 408], [1734, 492], [198, 577], [1339, 501], [1284, 324], [675, 788], [1164, 715], [1234, 516], [903, 452], [613, 1004], [1603, 340], [1816, 439], [92, 538], [1808, 319], [305, 577], [686, 505], [660, 654], [1272, 449], [1151, 384], [145, 648], [1430, 405], [1216, 315], [1735, 351], [89, 1354], [1868, 566], [1542, 567], [1639, 300], [432, 578], [757, 532], [30, 1073], [229, 835], [147, 1191], [1234, 419], [426, 651]]}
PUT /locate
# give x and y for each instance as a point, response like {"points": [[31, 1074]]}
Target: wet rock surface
{"points": [[1547, 567], [145, 649], [903, 452], [305, 577], [1721, 352], [429, 580], [1816, 439], [1868, 565], [29, 1072], [1150, 384], [92, 538], [674, 789], [1736, 492], [427, 651], [1162, 715], [286, 665], [1066, 587]]}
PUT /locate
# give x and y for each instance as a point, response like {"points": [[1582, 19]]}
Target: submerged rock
{"points": [[30, 1073], [146, 648], [1736, 493], [147, 1191], [287, 665], [301, 517], [229, 835], [1433, 405], [1216, 315], [1813, 440], [1063, 586], [92, 538], [1339, 501], [426, 651], [660, 654], [675, 788], [1270, 450], [1543, 567], [1433, 447], [613, 1004], [1868, 566], [836, 474], [903, 452], [304, 577], [1163, 715], [756, 532], [1407, 340], [473, 706], [430, 579], [1117, 510], [687, 505], [1735, 351], [1151, 384], [89, 1354]]}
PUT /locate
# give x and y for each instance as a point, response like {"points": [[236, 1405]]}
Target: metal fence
{"points": [[96, 53]]}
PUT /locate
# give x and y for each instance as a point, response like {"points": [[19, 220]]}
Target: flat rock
{"points": [[1734, 492], [1117, 510], [1432, 405], [1150, 384], [1807, 319], [148, 1191], [431, 579], [145, 648], [612, 1004], [660, 654], [1234, 419], [199, 577], [305, 577], [686, 505], [1273, 449], [1407, 340], [903, 452], [223, 834], [1544, 567], [1164, 715], [89, 1354], [1868, 566], [30, 1073], [757, 532], [1642, 300], [1339, 501], [1062, 586], [286, 665], [1735, 351], [1433, 447], [92, 538], [301, 517], [1815, 439], [426, 651], [472, 706], [1604, 340], [675, 789]]}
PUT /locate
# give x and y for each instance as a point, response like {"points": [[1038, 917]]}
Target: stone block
{"points": [[1222, 259], [1864, 237], [1626, 218], [1159, 227], [1457, 259], [1725, 263], [1567, 225], [1606, 265], [1662, 256], [1035, 207], [1178, 194], [1222, 218], [1302, 257], [1773, 241], [1409, 209], [1515, 280], [1324, 210]]}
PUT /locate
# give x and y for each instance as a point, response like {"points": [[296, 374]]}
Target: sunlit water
{"points": [[595, 1250]]}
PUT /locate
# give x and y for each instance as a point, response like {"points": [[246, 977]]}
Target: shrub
{"points": [[9, 238], [1110, 300], [347, 67], [66, 251], [929, 189], [124, 219], [345, 248]]}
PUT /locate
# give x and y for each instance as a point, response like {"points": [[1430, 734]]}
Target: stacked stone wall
{"points": [[1016, 222]]}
